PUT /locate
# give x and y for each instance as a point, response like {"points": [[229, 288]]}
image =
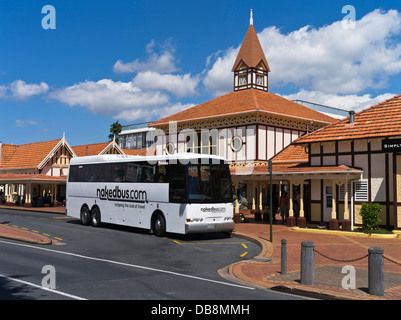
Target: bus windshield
{"points": [[209, 183]]}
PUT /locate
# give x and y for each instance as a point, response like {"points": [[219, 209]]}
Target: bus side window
{"points": [[147, 173], [177, 183], [118, 172], [72, 174]]}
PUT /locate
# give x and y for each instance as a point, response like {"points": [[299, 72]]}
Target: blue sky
{"points": [[136, 61]]}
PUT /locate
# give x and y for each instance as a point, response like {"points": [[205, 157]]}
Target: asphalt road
{"points": [[119, 263]]}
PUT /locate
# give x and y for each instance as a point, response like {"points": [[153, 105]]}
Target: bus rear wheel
{"points": [[85, 216], [159, 225], [95, 217]]}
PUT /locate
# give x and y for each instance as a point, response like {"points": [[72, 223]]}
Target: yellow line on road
{"points": [[244, 254], [243, 244], [209, 243]]}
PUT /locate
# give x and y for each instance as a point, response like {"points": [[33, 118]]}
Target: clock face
{"points": [[242, 80], [259, 80]]}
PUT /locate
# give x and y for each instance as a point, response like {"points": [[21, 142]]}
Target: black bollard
{"points": [[376, 271], [307, 262], [283, 256]]}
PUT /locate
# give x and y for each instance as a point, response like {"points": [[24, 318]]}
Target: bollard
{"points": [[376, 271], [283, 256], [307, 262]]}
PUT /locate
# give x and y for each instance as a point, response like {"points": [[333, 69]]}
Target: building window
{"points": [[242, 80], [170, 149], [236, 143], [204, 142], [361, 190], [259, 80]]}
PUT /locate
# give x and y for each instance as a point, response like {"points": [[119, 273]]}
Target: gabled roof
{"points": [[251, 52], [250, 100], [30, 155], [291, 154], [140, 152], [380, 120], [95, 149]]}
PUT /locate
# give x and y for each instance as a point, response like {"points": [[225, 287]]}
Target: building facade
{"points": [[248, 126], [35, 174]]}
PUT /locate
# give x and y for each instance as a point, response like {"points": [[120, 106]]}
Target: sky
{"points": [[77, 66]]}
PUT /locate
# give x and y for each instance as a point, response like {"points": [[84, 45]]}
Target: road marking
{"points": [[191, 243], [129, 265], [244, 254], [45, 234], [58, 238], [43, 288], [243, 244]]}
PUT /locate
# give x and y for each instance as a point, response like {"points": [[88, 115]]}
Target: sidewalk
{"points": [[265, 269], [12, 233]]}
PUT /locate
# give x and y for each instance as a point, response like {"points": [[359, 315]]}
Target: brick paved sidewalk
{"points": [[328, 275]]}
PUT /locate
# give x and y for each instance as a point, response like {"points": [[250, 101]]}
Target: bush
{"points": [[370, 216]]}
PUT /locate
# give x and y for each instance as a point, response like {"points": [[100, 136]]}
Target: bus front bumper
{"points": [[209, 227]]}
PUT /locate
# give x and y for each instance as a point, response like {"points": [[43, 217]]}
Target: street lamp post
{"points": [[271, 200]]}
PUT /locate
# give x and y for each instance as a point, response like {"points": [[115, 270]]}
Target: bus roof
{"points": [[130, 158]]}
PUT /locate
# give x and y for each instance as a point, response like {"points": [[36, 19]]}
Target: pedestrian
{"points": [[284, 207]]}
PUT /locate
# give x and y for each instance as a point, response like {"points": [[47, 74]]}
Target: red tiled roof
{"points": [[251, 52], [139, 152], [28, 155], [294, 168], [380, 120], [243, 101], [93, 149], [291, 154]]}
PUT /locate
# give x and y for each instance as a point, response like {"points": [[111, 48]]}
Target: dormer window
{"points": [[242, 80]]}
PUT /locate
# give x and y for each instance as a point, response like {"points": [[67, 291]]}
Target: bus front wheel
{"points": [[158, 225], [85, 216]]}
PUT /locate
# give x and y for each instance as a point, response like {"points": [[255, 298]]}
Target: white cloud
{"points": [[121, 100], [328, 59], [23, 123], [20, 90], [163, 62], [219, 78], [347, 102], [179, 85], [111, 98]]}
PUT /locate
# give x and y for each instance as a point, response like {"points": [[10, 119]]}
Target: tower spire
{"points": [[250, 67]]}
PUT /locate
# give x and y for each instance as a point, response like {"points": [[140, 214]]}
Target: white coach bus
{"points": [[182, 193]]}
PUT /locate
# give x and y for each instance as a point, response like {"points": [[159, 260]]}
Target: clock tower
{"points": [[251, 68]]}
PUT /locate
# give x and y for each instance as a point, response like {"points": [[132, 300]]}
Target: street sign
{"points": [[391, 145]]}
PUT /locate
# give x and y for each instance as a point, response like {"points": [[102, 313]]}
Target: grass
{"points": [[377, 231]]}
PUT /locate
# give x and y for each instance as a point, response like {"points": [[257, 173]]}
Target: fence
{"points": [[375, 258]]}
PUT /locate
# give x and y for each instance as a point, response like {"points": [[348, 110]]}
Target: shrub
{"points": [[370, 216]]}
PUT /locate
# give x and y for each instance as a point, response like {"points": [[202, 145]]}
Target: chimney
{"points": [[351, 116]]}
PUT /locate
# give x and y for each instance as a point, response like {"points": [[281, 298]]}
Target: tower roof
{"points": [[251, 52]]}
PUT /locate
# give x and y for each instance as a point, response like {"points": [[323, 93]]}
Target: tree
{"points": [[115, 129]]}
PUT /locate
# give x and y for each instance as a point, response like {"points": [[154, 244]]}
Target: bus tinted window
{"points": [[176, 181], [118, 172], [209, 183]]}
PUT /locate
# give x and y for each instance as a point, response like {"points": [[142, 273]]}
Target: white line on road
{"points": [[129, 265], [43, 288]]}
